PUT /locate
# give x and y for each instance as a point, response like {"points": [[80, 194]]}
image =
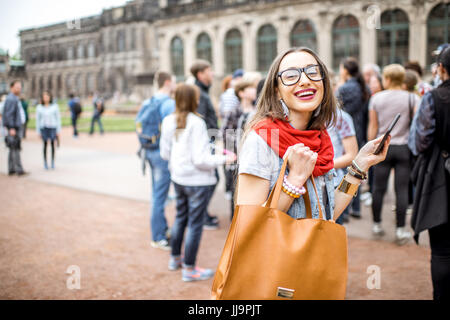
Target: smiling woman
{"points": [[287, 152]]}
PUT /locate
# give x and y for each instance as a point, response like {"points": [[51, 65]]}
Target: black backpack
{"points": [[77, 108]]}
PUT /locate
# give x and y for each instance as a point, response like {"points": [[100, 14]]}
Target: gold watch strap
{"points": [[348, 188]]}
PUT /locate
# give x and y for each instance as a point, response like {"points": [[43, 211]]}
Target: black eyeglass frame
{"points": [[301, 70]]}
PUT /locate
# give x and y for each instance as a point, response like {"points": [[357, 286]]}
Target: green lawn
{"points": [[110, 123]]}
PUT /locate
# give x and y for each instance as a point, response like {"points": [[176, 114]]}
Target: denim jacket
{"points": [[257, 158], [298, 209]]}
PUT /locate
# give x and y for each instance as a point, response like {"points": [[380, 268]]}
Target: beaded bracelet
{"points": [[292, 190], [356, 174], [358, 169]]}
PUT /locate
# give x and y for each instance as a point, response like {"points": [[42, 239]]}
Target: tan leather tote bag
{"points": [[269, 255]]}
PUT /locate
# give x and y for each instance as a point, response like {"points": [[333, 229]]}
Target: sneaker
{"points": [[345, 218], [368, 202], [377, 229], [402, 236], [161, 244], [45, 166], [196, 274], [409, 211], [356, 215], [365, 196], [23, 174], [211, 224], [175, 263]]}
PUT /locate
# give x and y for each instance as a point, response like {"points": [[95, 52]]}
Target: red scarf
{"points": [[318, 141]]}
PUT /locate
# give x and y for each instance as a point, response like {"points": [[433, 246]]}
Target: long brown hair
{"points": [[269, 104], [42, 97], [186, 101]]}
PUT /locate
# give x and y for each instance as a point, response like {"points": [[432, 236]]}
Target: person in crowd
{"points": [[228, 100], [234, 124], [230, 111], [148, 123], [382, 110], [434, 67], [369, 71], [422, 86], [192, 167], [75, 112], [24, 103], [99, 108], [429, 140], [354, 96], [48, 124], [410, 83], [13, 119], [375, 84], [203, 74], [2, 104], [297, 105], [343, 138]]}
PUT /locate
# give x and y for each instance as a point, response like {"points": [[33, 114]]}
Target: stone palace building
{"points": [[122, 48]]}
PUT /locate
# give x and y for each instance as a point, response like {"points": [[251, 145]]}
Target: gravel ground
{"points": [[46, 228]]}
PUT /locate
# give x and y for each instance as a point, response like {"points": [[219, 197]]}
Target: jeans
{"points": [[14, 161], [440, 261], [191, 213], [160, 189], [96, 118], [211, 190], [74, 125], [397, 158]]}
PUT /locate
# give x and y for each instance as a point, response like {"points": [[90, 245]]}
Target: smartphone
{"points": [[388, 132]]}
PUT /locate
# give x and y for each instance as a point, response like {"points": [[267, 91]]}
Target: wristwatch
{"points": [[348, 188]]}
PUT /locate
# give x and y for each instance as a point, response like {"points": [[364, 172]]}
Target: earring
{"points": [[285, 108], [317, 111]]}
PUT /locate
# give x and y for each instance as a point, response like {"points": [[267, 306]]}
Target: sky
{"points": [[16, 15]]}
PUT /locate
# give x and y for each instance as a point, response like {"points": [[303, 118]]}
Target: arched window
{"points": [[41, 85], [58, 86], [345, 39], [50, 83], [233, 50], [304, 35], [133, 39], [204, 48], [120, 40], [393, 38], [266, 46], [177, 57], [91, 50], [70, 53], [80, 51], [438, 29]]}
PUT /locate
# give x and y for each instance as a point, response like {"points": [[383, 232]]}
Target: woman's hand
{"points": [[366, 159], [301, 163]]}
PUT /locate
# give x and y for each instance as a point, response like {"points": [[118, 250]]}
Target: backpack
{"points": [[77, 108], [151, 120]]}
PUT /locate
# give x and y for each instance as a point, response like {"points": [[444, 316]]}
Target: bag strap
{"points": [[274, 197]]}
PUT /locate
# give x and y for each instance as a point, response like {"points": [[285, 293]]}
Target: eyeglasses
{"points": [[291, 76]]}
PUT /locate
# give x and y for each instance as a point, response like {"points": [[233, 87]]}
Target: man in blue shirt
{"points": [[429, 139], [75, 111], [159, 167], [13, 120]]}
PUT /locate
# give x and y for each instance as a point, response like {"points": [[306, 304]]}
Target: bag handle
{"points": [[274, 197]]}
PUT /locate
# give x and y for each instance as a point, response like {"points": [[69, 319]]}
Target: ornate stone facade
{"points": [[121, 49]]}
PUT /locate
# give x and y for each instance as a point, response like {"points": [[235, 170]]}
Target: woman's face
{"points": [[249, 93], [374, 85], [46, 98], [306, 95]]}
